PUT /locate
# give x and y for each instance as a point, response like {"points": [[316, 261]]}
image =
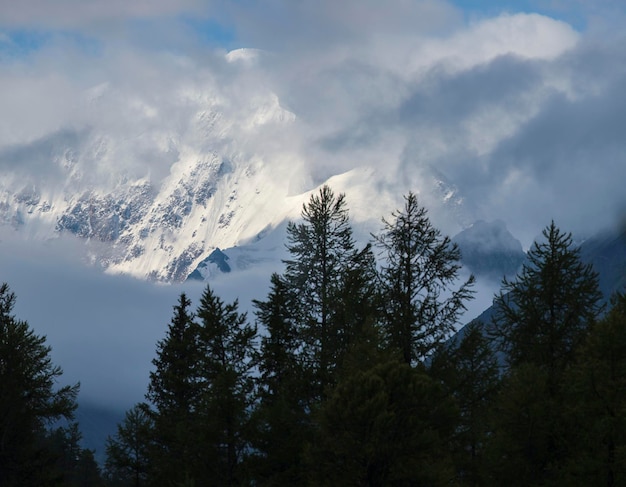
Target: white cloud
{"points": [[521, 113], [408, 86]]}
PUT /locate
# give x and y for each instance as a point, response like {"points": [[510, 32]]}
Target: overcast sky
{"points": [[520, 104]]}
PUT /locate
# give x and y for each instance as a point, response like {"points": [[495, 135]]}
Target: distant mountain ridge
{"points": [[489, 250], [607, 253]]}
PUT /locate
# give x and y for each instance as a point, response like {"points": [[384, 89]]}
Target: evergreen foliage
{"points": [[469, 370], [418, 282], [387, 425], [541, 318], [29, 403], [174, 392], [74, 466], [128, 452], [543, 315], [280, 416], [226, 363], [596, 402], [201, 392], [325, 276]]}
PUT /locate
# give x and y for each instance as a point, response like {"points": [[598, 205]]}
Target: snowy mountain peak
{"points": [[155, 196]]}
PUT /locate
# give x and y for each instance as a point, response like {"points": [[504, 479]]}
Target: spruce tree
{"points": [[526, 447], [201, 395], [385, 425], [226, 364], [280, 416], [323, 260], [595, 400], [468, 368], [419, 278], [174, 393], [29, 402], [74, 466], [541, 318], [543, 315]]}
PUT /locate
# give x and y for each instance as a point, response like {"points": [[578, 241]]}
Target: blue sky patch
{"points": [[213, 33], [21, 43]]}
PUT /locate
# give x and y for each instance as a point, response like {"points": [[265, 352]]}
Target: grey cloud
{"points": [[102, 329], [445, 97], [310, 25], [567, 161], [41, 159], [554, 130], [82, 13], [430, 117]]}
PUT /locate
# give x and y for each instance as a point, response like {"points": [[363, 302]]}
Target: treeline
{"points": [[351, 373], [355, 379]]}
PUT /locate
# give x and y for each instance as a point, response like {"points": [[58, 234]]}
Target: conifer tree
{"points": [[323, 256], [280, 416], [29, 402], [419, 278], [226, 364], [280, 347], [128, 452], [595, 399], [201, 395], [526, 447], [174, 393], [74, 466], [542, 317], [468, 368], [386, 425]]}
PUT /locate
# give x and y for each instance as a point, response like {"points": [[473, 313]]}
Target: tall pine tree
{"points": [[468, 368], [128, 451], [595, 399], [541, 318], [280, 417], [384, 425], [543, 315], [323, 261], [419, 278], [174, 392], [226, 364], [201, 394]]}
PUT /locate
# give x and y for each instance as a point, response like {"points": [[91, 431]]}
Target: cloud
{"points": [[308, 26], [567, 162], [103, 329], [521, 114], [80, 13], [408, 87]]}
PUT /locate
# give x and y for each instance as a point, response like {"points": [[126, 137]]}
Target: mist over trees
{"points": [[350, 372]]}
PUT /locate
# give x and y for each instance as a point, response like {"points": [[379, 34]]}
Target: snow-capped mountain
{"points": [[155, 198]]}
